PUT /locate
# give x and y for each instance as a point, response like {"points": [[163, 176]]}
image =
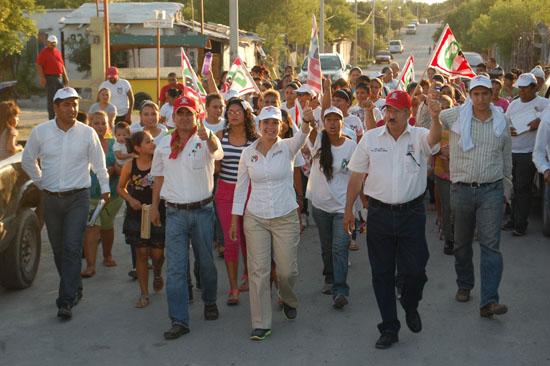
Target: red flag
{"points": [[448, 57], [314, 74]]}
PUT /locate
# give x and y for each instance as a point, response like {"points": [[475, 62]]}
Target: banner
{"points": [[192, 85], [448, 57], [314, 74], [407, 75], [241, 80]]}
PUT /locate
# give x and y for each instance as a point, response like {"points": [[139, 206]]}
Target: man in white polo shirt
{"points": [[394, 159], [183, 167], [67, 149]]}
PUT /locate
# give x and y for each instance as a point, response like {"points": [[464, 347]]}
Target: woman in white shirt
{"points": [[342, 100], [149, 116], [327, 186], [271, 220]]}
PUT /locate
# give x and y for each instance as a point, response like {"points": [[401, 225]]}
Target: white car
{"points": [[332, 64], [411, 29], [396, 46]]}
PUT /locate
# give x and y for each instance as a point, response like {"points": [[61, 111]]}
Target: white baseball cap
{"points": [[65, 93], [52, 38], [231, 93], [538, 72], [375, 75], [305, 88], [480, 80], [270, 112], [526, 79], [333, 110]]}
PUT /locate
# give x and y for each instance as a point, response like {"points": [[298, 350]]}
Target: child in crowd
{"points": [[167, 108], [9, 118], [136, 188], [120, 147]]}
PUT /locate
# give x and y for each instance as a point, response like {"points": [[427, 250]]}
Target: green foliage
{"points": [[60, 4], [15, 28], [79, 53]]}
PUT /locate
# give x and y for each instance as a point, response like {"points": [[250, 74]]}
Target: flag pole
{"points": [[431, 59], [406, 63]]}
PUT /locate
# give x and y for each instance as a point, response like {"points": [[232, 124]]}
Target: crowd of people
{"points": [[246, 177]]}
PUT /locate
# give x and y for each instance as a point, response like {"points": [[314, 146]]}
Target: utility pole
{"points": [[322, 28], [389, 26], [373, 30], [356, 38], [233, 30], [202, 17]]}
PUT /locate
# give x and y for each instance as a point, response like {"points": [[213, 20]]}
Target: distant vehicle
{"points": [[332, 64], [415, 22], [396, 46], [383, 56], [411, 29], [473, 59], [424, 21]]}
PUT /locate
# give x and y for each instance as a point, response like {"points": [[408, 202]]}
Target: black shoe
{"points": [[77, 297], [64, 312], [448, 248], [211, 312], [133, 274], [340, 301], [386, 340], [462, 295], [327, 289], [176, 331], [518, 232], [509, 226], [413, 321], [289, 312], [260, 334]]}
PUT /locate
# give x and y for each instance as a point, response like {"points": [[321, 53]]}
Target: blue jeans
{"points": [[334, 249], [65, 219], [183, 226], [396, 240], [482, 208]]}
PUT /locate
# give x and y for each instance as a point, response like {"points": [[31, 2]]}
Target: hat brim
{"points": [[397, 106], [186, 107]]}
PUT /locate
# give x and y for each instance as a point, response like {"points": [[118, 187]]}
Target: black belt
{"points": [[397, 207], [65, 193], [475, 184], [190, 206]]}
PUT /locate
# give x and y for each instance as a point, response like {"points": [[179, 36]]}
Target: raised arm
{"points": [[436, 129]]}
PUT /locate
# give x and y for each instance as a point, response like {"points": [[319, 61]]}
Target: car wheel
{"points": [[19, 263]]}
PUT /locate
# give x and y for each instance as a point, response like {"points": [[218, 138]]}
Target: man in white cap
{"points": [[481, 156], [524, 113], [541, 77], [67, 149], [51, 70]]}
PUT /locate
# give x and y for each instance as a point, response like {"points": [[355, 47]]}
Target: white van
{"points": [[411, 29], [396, 46]]}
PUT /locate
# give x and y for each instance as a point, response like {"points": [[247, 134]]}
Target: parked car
{"points": [[20, 224], [415, 22], [424, 21], [383, 56], [411, 29], [473, 59], [332, 64], [396, 46]]}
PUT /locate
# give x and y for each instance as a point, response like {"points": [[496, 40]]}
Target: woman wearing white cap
{"points": [[326, 189], [271, 220]]}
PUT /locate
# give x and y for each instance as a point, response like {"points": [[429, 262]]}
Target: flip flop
{"points": [[87, 273], [142, 302], [233, 298], [110, 262], [244, 284]]}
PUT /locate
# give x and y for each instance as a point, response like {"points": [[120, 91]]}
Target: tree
{"points": [[16, 28]]}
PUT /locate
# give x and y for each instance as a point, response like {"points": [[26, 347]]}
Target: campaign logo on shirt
{"points": [[198, 146], [254, 158], [119, 90], [410, 149], [344, 165], [277, 153]]}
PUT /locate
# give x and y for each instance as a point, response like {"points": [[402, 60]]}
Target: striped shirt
{"points": [[231, 157], [488, 161]]}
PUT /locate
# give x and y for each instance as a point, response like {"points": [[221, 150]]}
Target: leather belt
{"points": [[397, 207], [65, 193], [475, 184], [192, 205]]}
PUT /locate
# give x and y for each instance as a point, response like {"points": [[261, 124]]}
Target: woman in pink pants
{"points": [[239, 132]]}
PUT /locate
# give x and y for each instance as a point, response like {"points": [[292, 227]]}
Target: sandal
{"points": [[143, 301], [353, 246], [109, 262], [279, 299], [158, 283], [244, 284], [233, 298], [87, 273]]}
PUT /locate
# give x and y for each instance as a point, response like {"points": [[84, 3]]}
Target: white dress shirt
{"points": [[272, 193], [396, 170], [65, 157], [190, 177], [542, 143]]}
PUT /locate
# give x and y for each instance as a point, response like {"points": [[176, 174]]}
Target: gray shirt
{"points": [[96, 107], [491, 158]]}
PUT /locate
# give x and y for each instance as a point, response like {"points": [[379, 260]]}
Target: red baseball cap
{"points": [[398, 99], [185, 102], [112, 71]]}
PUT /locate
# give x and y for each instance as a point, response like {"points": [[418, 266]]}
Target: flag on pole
{"points": [[314, 74], [241, 80], [191, 82], [448, 57], [407, 75]]}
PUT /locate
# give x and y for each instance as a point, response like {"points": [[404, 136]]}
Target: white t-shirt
{"points": [[217, 127], [330, 196], [392, 84], [354, 123], [525, 142], [119, 94], [117, 146], [292, 112], [136, 127], [361, 113], [166, 111]]}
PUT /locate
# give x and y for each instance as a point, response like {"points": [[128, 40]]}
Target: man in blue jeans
{"points": [[66, 148], [183, 167], [481, 157], [394, 159]]}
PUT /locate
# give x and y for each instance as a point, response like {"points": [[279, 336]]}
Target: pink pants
{"points": [[224, 204]]}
